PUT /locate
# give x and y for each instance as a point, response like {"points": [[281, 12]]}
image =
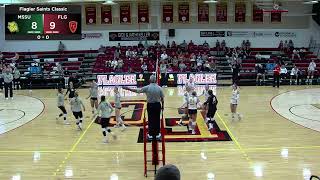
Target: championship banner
{"points": [[125, 14], [106, 14], [91, 15], [134, 36], [257, 14], [183, 13], [203, 13], [222, 12], [275, 17], [240, 12], [167, 13], [212, 33], [143, 13]]}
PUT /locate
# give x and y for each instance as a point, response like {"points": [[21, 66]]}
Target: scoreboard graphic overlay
{"points": [[43, 22]]}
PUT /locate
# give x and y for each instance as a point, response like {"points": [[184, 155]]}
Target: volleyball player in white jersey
{"points": [[205, 92], [190, 85], [105, 110], [235, 101], [117, 105], [93, 95], [184, 108], [60, 104], [76, 107], [193, 102]]}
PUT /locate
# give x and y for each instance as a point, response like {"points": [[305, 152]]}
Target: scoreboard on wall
{"points": [[43, 22]]}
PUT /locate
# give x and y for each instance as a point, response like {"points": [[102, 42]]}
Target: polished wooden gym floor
{"points": [[268, 143]]}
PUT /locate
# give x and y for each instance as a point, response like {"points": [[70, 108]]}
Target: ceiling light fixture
{"points": [[210, 1], [109, 2]]}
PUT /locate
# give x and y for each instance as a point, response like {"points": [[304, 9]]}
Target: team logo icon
{"points": [[13, 27], [73, 26]]}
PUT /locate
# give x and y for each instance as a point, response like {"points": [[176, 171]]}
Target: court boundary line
{"points": [[176, 150], [270, 103], [44, 107], [74, 146], [235, 140]]}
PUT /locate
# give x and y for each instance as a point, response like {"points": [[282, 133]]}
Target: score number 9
{"points": [[34, 25]]}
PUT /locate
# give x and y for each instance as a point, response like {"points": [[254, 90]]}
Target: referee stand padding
{"points": [[156, 154]]}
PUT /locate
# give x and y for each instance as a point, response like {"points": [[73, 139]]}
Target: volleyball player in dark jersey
{"points": [[211, 104], [71, 90]]}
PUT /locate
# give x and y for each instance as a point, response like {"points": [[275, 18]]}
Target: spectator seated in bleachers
{"points": [[302, 52], [290, 45], [140, 45], [286, 46], [129, 53], [218, 45], [117, 52], [258, 56], [182, 66], [101, 49], [145, 53], [295, 53], [281, 46], [270, 66], [183, 45], [157, 44], [144, 67], [223, 45], [261, 74], [206, 45], [295, 75], [173, 45], [114, 64], [164, 56], [283, 72]]}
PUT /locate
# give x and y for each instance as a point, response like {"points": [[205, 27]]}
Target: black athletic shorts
{"points": [[104, 122], [211, 113], [78, 114], [192, 111], [94, 99], [63, 109]]}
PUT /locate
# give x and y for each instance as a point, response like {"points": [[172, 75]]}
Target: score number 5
{"points": [[34, 25]]}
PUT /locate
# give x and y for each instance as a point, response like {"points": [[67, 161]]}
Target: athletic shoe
{"points": [[116, 126], [79, 127], [105, 141], [193, 132], [210, 127], [11, 98], [239, 117], [158, 137], [57, 118], [180, 124], [7, 98], [149, 137], [123, 128], [66, 123]]}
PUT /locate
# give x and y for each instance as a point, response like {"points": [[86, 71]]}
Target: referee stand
{"points": [[155, 156]]}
